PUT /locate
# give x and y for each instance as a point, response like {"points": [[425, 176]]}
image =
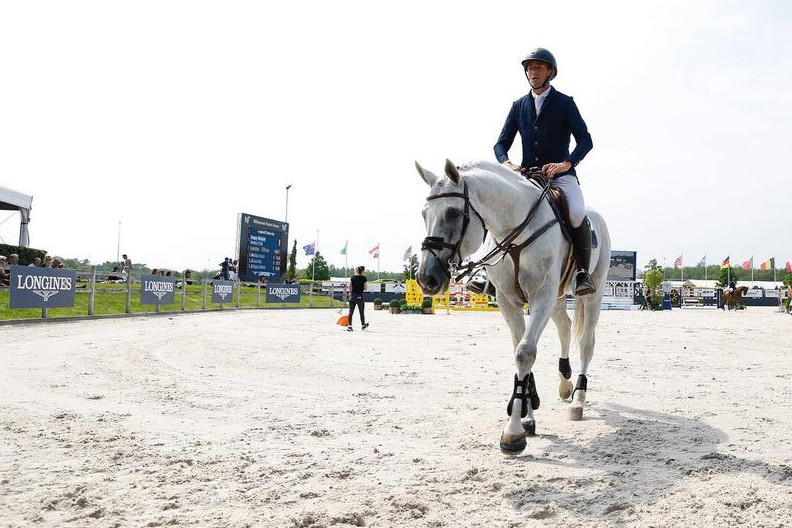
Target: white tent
{"points": [[16, 201]]}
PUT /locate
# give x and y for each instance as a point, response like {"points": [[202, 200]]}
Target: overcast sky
{"points": [[174, 117]]}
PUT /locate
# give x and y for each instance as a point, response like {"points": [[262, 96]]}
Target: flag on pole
{"points": [[678, 262], [310, 249], [767, 264], [374, 252], [725, 263], [703, 262], [344, 249], [408, 253], [748, 264], [788, 267]]}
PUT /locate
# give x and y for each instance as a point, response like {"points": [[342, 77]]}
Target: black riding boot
{"points": [[581, 242]]}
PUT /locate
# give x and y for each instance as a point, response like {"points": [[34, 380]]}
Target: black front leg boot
{"points": [[515, 444]]}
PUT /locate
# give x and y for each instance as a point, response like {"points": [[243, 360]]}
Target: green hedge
{"points": [[26, 255]]}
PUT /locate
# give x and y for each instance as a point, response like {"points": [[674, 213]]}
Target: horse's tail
{"points": [[578, 321]]}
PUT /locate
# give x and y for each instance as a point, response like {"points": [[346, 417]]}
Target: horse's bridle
{"points": [[504, 247], [437, 243]]}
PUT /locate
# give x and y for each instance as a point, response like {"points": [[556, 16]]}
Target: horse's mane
{"points": [[491, 168]]}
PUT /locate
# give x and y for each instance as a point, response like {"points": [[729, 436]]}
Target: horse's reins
{"points": [[501, 248]]}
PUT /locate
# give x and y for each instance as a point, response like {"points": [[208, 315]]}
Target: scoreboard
{"points": [[262, 248]]}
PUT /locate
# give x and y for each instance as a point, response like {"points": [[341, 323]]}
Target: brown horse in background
{"points": [[733, 299]]}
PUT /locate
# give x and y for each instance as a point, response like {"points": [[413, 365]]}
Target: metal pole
{"points": [[129, 292], [286, 219], [184, 289], [92, 296], [118, 246], [313, 270], [204, 293]]}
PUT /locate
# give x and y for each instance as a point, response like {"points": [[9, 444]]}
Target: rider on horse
{"points": [[732, 286], [545, 119]]}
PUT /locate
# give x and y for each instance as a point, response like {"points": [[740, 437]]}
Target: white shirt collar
{"points": [[540, 98]]}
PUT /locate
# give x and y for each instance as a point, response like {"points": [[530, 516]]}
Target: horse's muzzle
{"points": [[432, 278]]}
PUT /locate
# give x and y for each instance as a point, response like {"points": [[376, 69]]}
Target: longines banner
{"points": [[155, 289], [33, 287], [222, 291], [283, 293]]}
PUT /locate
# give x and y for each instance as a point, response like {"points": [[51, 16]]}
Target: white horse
{"points": [[484, 197]]}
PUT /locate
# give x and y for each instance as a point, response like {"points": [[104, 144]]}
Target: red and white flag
{"points": [[678, 262], [374, 252], [408, 253], [748, 264], [788, 267]]}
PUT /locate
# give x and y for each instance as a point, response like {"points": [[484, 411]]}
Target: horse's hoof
{"points": [[565, 389], [529, 427], [576, 414], [512, 445]]}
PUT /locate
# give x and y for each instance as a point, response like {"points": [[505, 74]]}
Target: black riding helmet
{"points": [[541, 54]]}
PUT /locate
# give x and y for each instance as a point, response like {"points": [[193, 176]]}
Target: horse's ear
{"points": [[426, 175], [452, 172]]}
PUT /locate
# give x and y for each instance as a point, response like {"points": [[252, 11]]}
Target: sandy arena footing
{"points": [[282, 418]]}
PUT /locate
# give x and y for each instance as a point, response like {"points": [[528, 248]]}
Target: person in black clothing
{"points": [[224, 268], [356, 287]]}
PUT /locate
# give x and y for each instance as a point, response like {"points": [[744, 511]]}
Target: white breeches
{"points": [[574, 197]]}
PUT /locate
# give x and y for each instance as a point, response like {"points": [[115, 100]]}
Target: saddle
{"points": [[557, 201]]}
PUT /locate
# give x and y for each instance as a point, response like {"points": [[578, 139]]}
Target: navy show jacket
{"points": [[545, 139]]}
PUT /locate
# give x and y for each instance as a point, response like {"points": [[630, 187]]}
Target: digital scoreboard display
{"points": [[263, 249], [622, 266]]}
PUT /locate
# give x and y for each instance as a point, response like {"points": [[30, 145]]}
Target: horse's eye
{"points": [[453, 214]]}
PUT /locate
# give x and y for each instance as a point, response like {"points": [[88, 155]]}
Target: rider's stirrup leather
{"points": [[476, 285], [581, 242]]}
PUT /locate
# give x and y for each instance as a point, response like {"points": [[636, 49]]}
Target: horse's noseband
{"points": [[433, 244]]}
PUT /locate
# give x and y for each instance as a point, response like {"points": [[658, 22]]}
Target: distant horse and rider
{"points": [[731, 299], [529, 260]]}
